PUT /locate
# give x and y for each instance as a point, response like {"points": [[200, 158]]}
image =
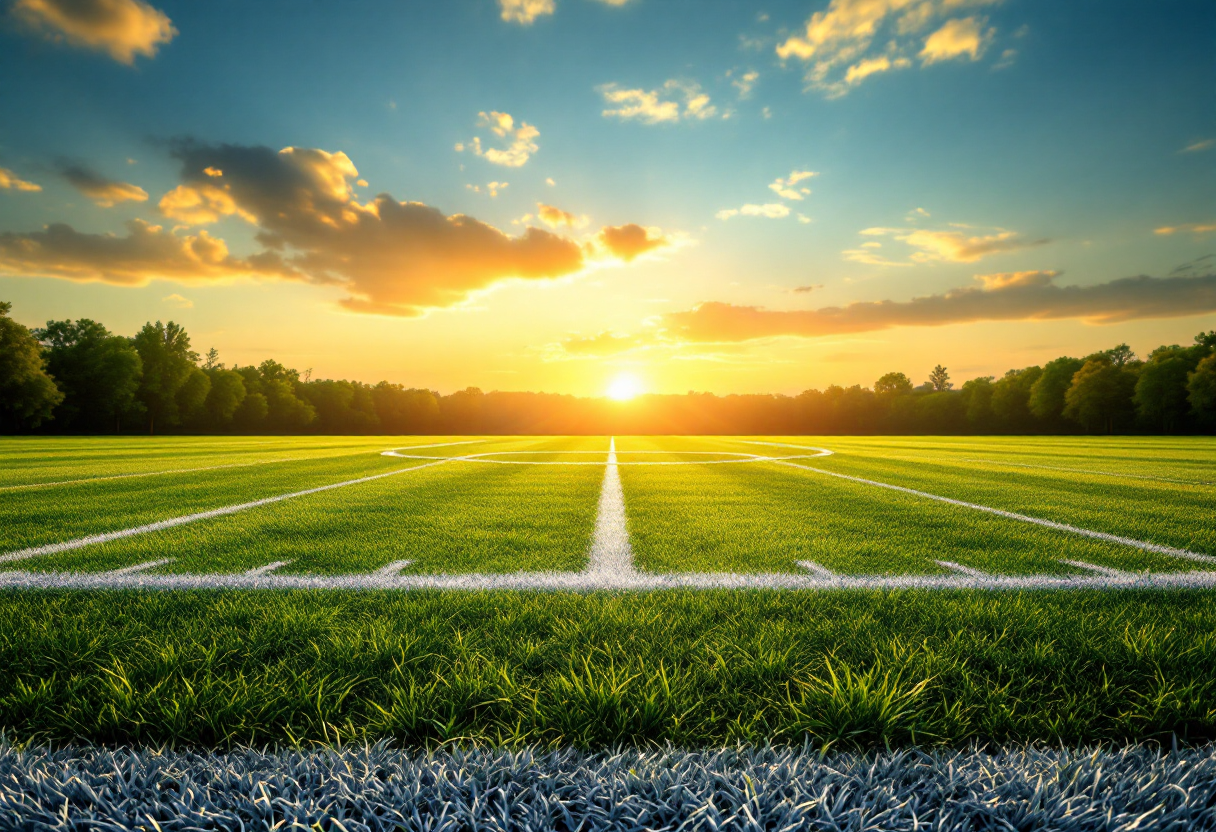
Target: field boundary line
{"points": [[159, 525], [1157, 548], [83, 480]]}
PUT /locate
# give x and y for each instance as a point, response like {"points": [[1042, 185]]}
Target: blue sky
{"points": [[1045, 139]]}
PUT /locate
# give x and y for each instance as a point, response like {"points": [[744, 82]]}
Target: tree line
{"points": [[78, 377]]}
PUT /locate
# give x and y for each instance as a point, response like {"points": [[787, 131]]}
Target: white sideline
{"points": [[611, 555], [1158, 548], [80, 542]]}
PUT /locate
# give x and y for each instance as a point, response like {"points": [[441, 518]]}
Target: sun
{"points": [[624, 387]]}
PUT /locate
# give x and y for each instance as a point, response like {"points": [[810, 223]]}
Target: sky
{"points": [[733, 197]]}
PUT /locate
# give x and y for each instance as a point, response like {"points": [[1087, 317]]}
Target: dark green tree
{"points": [[1047, 393], [939, 379], [977, 395], [1011, 399], [28, 394], [1161, 389], [1201, 391], [97, 371], [226, 395], [1100, 397], [168, 362], [893, 384]]}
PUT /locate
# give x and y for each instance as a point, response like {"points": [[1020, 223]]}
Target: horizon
{"points": [[564, 195]]}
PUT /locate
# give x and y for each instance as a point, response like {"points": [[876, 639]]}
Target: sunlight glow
{"points": [[624, 387]]}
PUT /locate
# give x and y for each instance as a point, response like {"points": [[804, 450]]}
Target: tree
{"points": [[97, 371], [1011, 398], [212, 361], [1120, 355], [168, 362], [28, 394], [1201, 390], [1101, 394], [939, 379], [977, 397], [1047, 393], [1161, 389], [225, 396], [893, 384], [192, 396]]}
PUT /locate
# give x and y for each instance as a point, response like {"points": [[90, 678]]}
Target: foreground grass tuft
{"points": [[695, 669]]}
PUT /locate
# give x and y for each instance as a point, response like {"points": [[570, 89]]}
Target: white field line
{"points": [[486, 457], [393, 569], [209, 468], [817, 570], [1093, 567], [140, 567], [258, 571], [1157, 548], [587, 581], [80, 542], [611, 556]]}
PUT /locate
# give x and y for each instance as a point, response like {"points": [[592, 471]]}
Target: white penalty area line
{"points": [[1144, 545], [84, 480], [160, 525]]}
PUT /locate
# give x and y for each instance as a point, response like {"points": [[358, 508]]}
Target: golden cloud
{"points": [[120, 28], [146, 253], [836, 43], [1020, 296], [955, 39], [521, 141], [674, 101], [1193, 228], [104, 192], [787, 188], [10, 180], [556, 217], [628, 242], [771, 210], [951, 246], [525, 11]]}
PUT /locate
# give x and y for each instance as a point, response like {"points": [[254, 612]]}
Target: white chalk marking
{"points": [[211, 467], [488, 457], [258, 571], [1080, 471], [160, 525], [611, 554], [1157, 548], [960, 569], [817, 570], [1093, 567], [140, 567], [393, 569]]}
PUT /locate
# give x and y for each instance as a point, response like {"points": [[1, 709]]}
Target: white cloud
{"points": [[771, 210], [674, 101], [1196, 147], [525, 11], [519, 143], [787, 188], [950, 246], [746, 82]]}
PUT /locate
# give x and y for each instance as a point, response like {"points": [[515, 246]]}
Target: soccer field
{"points": [[588, 513], [589, 591]]}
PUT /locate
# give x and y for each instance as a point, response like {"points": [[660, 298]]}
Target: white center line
{"points": [[611, 554]]}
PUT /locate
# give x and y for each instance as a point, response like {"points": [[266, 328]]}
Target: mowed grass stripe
{"points": [[456, 517], [749, 519], [40, 517]]}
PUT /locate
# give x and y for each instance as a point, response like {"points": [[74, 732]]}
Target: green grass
{"points": [[690, 668]]}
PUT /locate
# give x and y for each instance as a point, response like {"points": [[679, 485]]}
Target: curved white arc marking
{"points": [[1157, 548], [105, 537], [611, 556]]}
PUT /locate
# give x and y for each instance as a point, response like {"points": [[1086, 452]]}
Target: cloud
{"points": [[525, 11], [1196, 228], [120, 28], [177, 301], [146, 253], [917, 214], [951, 246], [1196, 147], [956, 39], [802, 290], [787, 188], [520, 141], [491, 188], [11, 181], [746, 82], [672, 102], [628, 242], [1020, 296], [104, 192], [838, 44], [605, 344], [556, 217], [771, 210]]}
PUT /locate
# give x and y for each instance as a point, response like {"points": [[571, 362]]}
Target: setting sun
{"points": [[624, 387]]}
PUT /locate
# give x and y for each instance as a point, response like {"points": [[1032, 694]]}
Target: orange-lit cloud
{"points": [[956, 39], [606, 344], [557, 218], [147, 252], [838, 43], [104, 192], [674, 101], [120, 28], [11, 181], [1019, 296], [628, 242], [951, 246], [1196, 228], [520, 141], [525, 11]]}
